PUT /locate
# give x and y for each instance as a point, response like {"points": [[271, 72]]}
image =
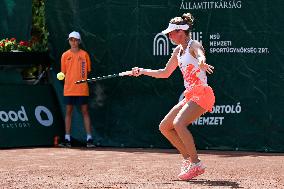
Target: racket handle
{"points": [[125, 73]]}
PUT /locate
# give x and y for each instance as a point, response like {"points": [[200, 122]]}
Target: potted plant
{"points": [[29, 57]]}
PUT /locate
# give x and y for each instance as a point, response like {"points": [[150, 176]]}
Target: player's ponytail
{"points": [[188, 19]]}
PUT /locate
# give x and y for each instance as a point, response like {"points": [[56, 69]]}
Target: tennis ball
{"points": [[60, 76]]}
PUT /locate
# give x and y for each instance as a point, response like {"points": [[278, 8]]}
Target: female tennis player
{"points": [[189, 56]]}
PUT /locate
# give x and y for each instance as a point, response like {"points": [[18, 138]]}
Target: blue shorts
{"points": [[76, 100]]}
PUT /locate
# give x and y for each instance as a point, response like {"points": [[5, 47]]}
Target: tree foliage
{"points": [[39, 30]]}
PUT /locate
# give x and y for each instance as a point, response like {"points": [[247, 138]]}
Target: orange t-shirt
{"points": [[75, 66]]}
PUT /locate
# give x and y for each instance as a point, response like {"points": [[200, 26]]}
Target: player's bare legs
{"points": [[167, 129], [188, 113]]}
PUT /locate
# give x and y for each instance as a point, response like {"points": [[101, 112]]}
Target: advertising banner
{"points": [[242, 40], [29, 116]]}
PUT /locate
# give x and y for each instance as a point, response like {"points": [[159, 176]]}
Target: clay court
{"points": [[135, 168]]}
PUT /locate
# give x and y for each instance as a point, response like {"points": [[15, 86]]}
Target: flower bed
{"points": [[11, 45], [21, 53]]}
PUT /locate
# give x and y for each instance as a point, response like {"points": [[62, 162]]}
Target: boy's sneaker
{"points": [[192, 171], [90, 143], [66, 144]]}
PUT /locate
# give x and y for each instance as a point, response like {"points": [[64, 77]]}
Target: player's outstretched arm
{"points": [[160, 73]]}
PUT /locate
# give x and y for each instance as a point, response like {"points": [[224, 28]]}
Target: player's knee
{"points": [[163, 127], [178, 125]]}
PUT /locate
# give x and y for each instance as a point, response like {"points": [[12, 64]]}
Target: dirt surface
{"points": [[134, 168]]}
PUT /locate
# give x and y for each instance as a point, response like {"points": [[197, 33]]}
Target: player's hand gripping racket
{"points": [[105, 77]]}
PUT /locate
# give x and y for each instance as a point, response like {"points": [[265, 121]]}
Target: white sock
{"points": [[67, 137], [89, 137]]}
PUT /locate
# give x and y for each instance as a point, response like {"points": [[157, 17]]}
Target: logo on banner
{"points": [[19, 118], [14, 115], [161, 43], [210, 4], [197, 36], [43, 116]]}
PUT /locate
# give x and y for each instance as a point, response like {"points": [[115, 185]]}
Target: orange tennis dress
{"points": [[195, 81]]}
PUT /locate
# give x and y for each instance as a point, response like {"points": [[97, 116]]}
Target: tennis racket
{"points": [[104, 77]]}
